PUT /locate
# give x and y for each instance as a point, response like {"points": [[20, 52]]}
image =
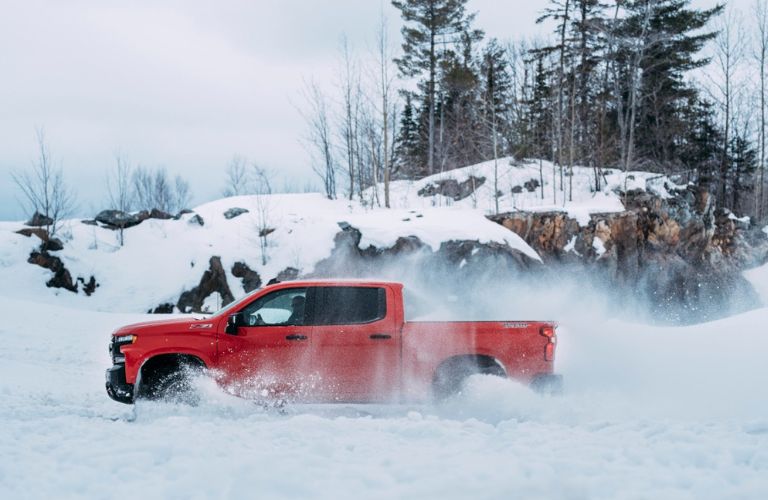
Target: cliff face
{"points": [[680, 254]]}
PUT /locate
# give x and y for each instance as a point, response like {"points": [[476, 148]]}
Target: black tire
{"points": [[172, 383], [451, 375]]}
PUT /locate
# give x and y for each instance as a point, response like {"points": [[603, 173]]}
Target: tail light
{"points": [[549, 350]]}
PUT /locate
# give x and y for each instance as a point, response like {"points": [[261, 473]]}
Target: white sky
{"points": [[183, 84]]}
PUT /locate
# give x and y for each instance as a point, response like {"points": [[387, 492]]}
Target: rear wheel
{"points": [[452, 374]]}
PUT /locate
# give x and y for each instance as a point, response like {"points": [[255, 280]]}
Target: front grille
{"points": [[114, 352]]}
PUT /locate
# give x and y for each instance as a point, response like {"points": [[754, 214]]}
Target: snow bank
{"points": [[162, 258], [520, 187]]}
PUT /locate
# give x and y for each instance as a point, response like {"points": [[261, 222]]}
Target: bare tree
{"points": [[319, 140], [43, 188], [237, 177], [154, 189], [760, 55], [729, 51], [119, 190], [387, 110], [263, 191], [349, 85], [182, 195]]}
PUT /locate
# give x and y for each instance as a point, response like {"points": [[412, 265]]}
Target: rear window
{"points": [[347, 305]]}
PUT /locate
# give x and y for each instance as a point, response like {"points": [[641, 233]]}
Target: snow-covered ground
{"points": [[507, 178], [162, 258], [649, 413]]}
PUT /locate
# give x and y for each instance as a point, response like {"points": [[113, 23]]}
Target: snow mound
{"points": [[530, 185], [162, 258]]}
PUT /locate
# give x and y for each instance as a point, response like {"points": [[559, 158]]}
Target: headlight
{"points": [[125, 339]]}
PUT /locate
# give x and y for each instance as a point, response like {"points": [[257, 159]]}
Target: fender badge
{"points": [[200, 326], [515, 325]]}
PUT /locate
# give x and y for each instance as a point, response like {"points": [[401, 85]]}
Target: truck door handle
{"points": [[380, 336], [295, 336]]}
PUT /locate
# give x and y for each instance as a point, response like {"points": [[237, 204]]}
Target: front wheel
{"points": [[171, 383]]}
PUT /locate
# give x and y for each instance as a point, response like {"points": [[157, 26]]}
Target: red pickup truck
{"points": [[326, 341]]}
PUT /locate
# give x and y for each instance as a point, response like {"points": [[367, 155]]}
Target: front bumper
{"points": [[117, 388]]}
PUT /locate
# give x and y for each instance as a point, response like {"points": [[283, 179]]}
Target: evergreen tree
{"points": [[407, 148], [672, 36], [430, 27]]}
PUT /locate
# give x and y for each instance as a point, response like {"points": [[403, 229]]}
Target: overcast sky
{"points": [[182, 84]]}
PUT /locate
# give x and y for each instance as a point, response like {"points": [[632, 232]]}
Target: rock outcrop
{"points": [[61, 276], [680, 254], [39, 220], [452, 268], [250, 278], [452, 188], [196, 219], [47, 244], [214, 280], [117, 219], [234, 212]]}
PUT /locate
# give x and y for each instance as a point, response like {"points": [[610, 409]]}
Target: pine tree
{"points": [[407, 151], [430, 27], [671, 43]]}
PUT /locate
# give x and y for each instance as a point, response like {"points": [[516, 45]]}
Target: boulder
{"points": [[196, 219], [452, 188], [89, 286], [214, 279], [447, 270], [52, 245], [159, 214], [164, 308], [61, 276], [48, 244], [234, 212], [39, 220], [117, 219], [251, 279], [287, 274]]}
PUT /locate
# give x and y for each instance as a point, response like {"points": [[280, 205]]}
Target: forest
{"points": [[651, 85]]}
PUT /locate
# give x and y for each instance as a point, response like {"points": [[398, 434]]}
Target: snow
{"points": [[511, 174], [162, 258], [648, 413], [599, 246], [758, 277]]}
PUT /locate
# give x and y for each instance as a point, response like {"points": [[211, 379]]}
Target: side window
{"points": [[280, 308], [343, 305]]}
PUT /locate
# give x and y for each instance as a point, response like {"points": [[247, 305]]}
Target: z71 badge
{"points": [[515, 325]]}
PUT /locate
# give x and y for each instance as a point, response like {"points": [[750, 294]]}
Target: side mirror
{"points": [[233, 322]]}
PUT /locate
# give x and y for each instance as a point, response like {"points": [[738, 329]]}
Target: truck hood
{"points": [[167, 326]]}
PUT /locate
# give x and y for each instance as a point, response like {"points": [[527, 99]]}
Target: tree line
{"points": [[654, 85]]}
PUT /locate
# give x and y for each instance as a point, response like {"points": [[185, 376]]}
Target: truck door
{"points": [[271, 355], [356, 344]]}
